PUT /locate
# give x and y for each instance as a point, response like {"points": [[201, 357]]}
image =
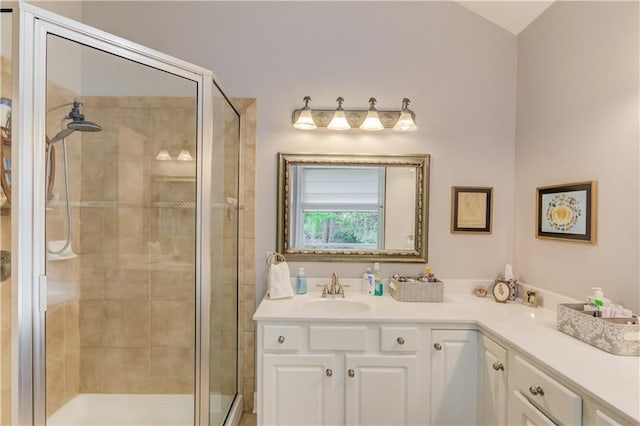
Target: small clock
{"points": [[501, 292]]}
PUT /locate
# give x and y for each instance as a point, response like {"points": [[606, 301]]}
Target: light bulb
{"points": [[372, 120], [405, 122], [163, 155], [305, 120], [339, 120], [185, 155]]}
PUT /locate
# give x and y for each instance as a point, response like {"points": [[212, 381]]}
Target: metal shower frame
{"points": [[31, 25]]}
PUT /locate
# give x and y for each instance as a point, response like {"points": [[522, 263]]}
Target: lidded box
{"points": [[415, 290]]}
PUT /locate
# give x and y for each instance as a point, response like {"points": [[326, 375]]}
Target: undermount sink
{"points": [[335, 306]]}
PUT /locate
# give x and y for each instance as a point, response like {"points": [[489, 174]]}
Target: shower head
{"points": [[77, 123], [83, 126]]}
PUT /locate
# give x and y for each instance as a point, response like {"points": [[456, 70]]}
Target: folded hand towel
{"points": [[279, 281]]}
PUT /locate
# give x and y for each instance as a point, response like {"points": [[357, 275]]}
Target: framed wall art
{"points": [[530, 298], [567, 212], [471, 209]]}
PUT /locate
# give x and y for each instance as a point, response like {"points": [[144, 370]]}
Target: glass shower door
{"points": [[120, 323], [223, 345], [130, 202]]}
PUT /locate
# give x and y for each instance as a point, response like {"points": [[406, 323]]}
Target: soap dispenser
{"points": [[598, 298], [301, 282]]}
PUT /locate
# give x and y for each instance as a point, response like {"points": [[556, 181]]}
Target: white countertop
{"points": [[612, 379]]}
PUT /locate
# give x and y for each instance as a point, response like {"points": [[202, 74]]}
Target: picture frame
{"points": [[530, 298], [471, 209], [567, 212]]}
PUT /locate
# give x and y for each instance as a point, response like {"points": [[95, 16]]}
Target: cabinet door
{"points": [[523, 413], [301, 390], [492, 383], [454, 372], [382, 390]]}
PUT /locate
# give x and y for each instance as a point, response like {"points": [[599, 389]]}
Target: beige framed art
{"points": [[471, 209], [530, 298], [567, 212]]}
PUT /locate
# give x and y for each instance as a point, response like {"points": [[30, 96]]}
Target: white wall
{"points": [[578, 119], [577, 112], [458, 69]]}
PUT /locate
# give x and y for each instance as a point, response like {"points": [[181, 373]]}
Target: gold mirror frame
{"points": [[283, 244]]}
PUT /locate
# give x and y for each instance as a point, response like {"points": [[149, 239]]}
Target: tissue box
{"points": [[611, 335], [416, 291]]}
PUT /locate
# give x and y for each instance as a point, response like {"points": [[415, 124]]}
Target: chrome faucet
{"points": [[335, 288]]}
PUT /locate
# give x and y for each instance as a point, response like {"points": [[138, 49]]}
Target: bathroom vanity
{"points": [[367, 360]]}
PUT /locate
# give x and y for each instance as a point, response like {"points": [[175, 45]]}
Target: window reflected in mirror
{"points": [[353, 207]]}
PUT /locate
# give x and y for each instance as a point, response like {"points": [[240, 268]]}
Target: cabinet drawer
{"points": [[336, 338], [546, 393], [398, 339], [281, 338], [527, 414]]}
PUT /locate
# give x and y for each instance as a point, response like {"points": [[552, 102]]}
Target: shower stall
{"points": [[126, 190]]}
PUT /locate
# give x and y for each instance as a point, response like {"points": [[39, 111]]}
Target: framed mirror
{"points": [[353, 207]]}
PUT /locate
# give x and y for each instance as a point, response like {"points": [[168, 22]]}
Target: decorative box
{"points": [[414, 290], [619, 336]]}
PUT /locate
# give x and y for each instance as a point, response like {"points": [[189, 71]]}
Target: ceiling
{"points": [[512, 15]]}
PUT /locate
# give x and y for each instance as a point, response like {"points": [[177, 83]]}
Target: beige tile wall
{"points": [[224, 259], [137, 299], [62, 332], [246, 305]]}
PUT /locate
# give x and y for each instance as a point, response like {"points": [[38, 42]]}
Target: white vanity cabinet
{"points": [[492, 382], [454, 377], [337, 374], [342, 372], [539, 398], [468, 379], [300, 390], [381, 390]]}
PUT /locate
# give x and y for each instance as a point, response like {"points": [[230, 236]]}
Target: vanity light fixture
{"points": [[370, 119], [185, 155], [305, 119], [163, 155], [339, 120], [405, 122]]}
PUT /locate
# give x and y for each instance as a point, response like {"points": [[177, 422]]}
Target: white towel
{"points": [[279, 281]]}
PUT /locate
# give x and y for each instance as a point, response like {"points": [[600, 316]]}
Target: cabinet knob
{"points": [[351, 372], [280, 339], [536, 390], [498, 366], [329, 372], [437, 346], [400, 340]]}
